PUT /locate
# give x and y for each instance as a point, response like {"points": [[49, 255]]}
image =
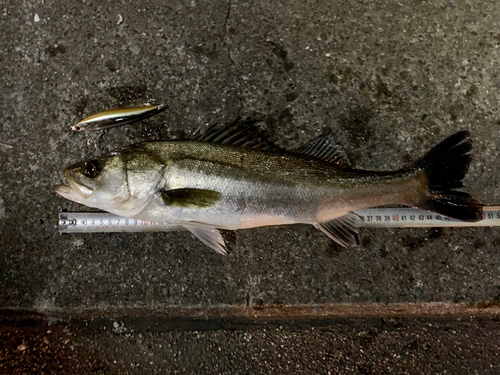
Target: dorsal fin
{"points": [[325, 148], [242, 133]]}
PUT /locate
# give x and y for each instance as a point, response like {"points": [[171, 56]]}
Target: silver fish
{"points": [[117, 117], [231, 178]]}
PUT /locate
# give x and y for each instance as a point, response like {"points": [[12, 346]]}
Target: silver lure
{"points": [[117, 117]]}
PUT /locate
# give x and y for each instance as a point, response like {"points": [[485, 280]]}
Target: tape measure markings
{"points": [[103, 222]]}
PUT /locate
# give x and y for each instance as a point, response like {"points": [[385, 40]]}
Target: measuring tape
{"points": [[104, 222]]}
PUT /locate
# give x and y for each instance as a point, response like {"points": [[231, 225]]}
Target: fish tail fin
{"points": [[445, 166]]}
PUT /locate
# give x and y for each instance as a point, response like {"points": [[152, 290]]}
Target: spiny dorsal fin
{"points": [[343, 230], [242, 133], [325, 148], [190, 198]]}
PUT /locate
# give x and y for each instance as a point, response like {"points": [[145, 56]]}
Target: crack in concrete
{"points": [[278, 312], [228, 49], [228, 15]]}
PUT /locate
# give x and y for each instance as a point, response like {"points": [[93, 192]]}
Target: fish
{"points": [[231, 177], [117, 117]]}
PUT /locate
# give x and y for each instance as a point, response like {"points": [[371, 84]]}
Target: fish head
{"points": [[121, 182]]}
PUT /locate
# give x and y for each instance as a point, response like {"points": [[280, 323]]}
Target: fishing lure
{"points": [[117, 117]]}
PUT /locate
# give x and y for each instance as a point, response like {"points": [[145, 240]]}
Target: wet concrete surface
{"points": [[389, 80]]}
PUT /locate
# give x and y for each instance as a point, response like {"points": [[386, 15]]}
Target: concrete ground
{"points": [[389, 79], [338, 346]]}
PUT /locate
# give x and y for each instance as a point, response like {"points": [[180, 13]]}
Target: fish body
{"points": [[219, 182], [259, 188]]}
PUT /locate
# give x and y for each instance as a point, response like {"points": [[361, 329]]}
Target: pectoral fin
{"points": [[190, 198], [343, 230], [210, 236]]}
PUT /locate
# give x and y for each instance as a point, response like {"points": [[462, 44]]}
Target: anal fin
{"points": [[343, 230], [209, 235]]}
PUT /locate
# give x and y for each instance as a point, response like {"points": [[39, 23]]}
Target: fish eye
{"points": [[92, 168]]}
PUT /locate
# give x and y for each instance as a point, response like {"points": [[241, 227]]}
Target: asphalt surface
{"points": [[390, 80]]}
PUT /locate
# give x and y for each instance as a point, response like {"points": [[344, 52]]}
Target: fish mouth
{"points": [[66, 191], [79, 188]]}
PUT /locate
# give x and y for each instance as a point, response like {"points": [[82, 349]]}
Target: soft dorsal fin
{"points": [[324, 147], [343, 230], [242, 133]]}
